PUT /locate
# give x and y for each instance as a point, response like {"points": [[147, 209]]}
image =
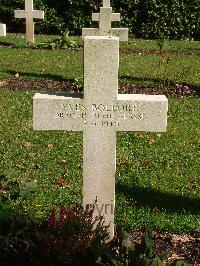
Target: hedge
{"points": [[175, 19]]}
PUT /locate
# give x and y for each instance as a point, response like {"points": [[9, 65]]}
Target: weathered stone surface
{"points": [[2, 29], [101, 63], [58, 112], [128, 113], [29, 14], [100, 113], [139, 112]]}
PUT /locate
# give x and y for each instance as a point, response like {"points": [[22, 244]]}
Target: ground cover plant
{"points": [[157, 180]]}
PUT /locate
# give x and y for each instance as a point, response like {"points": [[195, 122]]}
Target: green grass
{"points": [[163, 175], [134, 68], [172, 45], [157, 179], [19, 40]]}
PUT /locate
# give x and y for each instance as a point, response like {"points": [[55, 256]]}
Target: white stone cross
{"points": [[100, 112], [29, 14], [2, 29], [105, 18], [106, 3]]}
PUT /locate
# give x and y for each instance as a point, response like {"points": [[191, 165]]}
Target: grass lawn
{"points": [[157, 179]]}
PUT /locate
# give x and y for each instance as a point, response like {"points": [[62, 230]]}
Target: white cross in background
{"points": [[105, 18], [29, 14]]}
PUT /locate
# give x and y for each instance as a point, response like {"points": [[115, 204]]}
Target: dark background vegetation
{"points": [[173, 19]]}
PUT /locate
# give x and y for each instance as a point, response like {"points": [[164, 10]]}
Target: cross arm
{"points": [[141, 112], [58, 112], [20, 13], [38, 14], [122, 33], [114, 16]]}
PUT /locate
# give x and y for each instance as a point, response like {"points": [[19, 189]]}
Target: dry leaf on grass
{"points": [[152, 141], [50, 146], [27, 144]]}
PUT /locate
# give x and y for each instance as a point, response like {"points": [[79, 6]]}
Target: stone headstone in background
{"points": [[29, 14], [105, 18], [2, 29], [100, 113]]}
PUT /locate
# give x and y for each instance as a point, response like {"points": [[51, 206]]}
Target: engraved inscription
{"points": [[117, 107], [101, 115], [73, 107], [70, 115]]}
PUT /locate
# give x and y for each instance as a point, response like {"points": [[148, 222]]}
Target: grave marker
{"points": [[29, 14], [105, 18], [2, 29], [100, 112], [106, 3]]}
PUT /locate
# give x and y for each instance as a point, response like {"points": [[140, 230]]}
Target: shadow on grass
{"points": [[14, 45], [154, 198], [8, 44], [41, 76]]}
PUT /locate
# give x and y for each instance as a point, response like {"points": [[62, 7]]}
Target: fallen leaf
{"points": [[152, 141], [44, 59], [50, 146], [3, 83], [27, 144], [61, 182], [63, 161]]}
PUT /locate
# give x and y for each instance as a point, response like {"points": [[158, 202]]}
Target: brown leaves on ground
{"points": [[50, 146], [26, 144], [152, 141], [68, 86], [162, 53], [3, 83], [62, 182], [177, 247]]}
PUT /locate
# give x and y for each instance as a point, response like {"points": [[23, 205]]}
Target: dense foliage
{"points": [[69, 238], [175, 19]]}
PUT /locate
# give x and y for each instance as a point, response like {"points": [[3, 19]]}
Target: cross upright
{"points": [[106, 3], [2, 29], [100, 112], [105, 18], [29, 14]]}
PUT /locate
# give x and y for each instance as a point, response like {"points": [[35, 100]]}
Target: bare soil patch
{"points": [[176, 247], [177, 90], [147, 52]]}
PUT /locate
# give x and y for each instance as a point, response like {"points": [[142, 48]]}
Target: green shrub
{"points": [[176, 19], [71, 236], [67, 237]]}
